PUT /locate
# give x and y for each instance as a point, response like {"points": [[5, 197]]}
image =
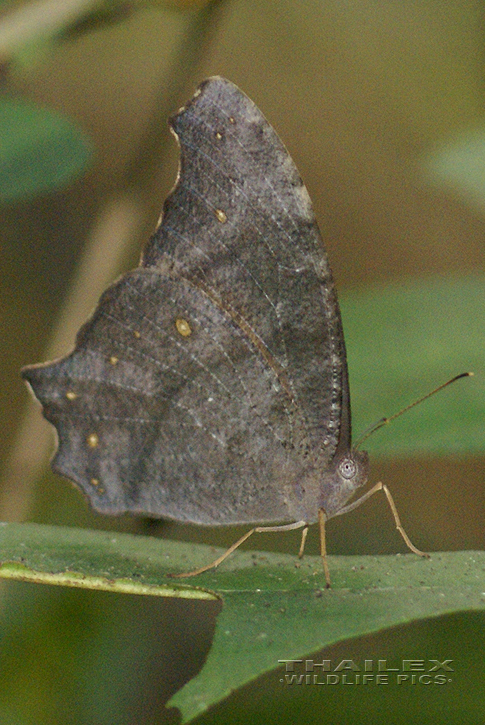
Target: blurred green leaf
{"points": [[460, 164], [403, 340], [273, 610], [40, 150]]}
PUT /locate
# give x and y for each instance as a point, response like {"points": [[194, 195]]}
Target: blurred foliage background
{"points": [[381, 107]]}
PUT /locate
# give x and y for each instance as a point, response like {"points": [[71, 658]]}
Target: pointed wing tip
{"points": [[213, 84]]}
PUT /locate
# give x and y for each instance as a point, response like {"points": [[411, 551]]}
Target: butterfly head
{"points": [[350, 473]]}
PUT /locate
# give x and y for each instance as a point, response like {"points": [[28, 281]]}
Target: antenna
{"points": [[384, 421]]}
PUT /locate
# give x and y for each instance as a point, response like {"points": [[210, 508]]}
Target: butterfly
{"points": [[210, 385]]}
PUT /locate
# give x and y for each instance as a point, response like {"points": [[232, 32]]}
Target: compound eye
{"points": [[347, 468]]}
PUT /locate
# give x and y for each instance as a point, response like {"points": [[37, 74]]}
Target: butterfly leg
{"points": [[399, 527], [322, 518], [382, 487], [220, 559], [304, 534]]}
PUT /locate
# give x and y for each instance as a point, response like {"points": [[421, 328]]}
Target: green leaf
{"points": [[40, 150], [403, 340], [92, 560], [274, 607], [257, 630]]}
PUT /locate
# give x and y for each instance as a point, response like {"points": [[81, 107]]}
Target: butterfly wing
{"points": [[240, 222], [211, 378]]}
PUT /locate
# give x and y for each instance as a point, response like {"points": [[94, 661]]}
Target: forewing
{"points": [[240, 223]]}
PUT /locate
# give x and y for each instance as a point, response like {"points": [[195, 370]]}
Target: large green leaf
{"points": [[273, 607], [41, 150]]}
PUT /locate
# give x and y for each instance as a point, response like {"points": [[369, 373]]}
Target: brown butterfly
{"points": [[210, 385]]}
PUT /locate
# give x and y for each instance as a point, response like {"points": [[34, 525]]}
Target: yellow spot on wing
{"points": [[183, 327], [221, 216], [136, 334], [113, 360], [92, 440], [95, 482], [71, 395]]}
